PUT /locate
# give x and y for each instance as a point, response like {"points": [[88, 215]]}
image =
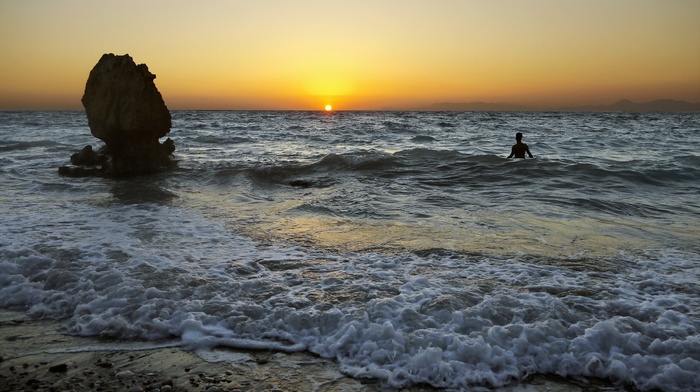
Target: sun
{"points": [[329, 108]]}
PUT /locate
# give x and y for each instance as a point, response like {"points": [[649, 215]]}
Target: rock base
{"points": [[125, 162]]}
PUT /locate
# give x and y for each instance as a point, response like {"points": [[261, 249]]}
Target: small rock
{"points": [[32, 381], [62, 368], [105, 364], [301, 183], [125, 374], [166, 388], [86, 157]]}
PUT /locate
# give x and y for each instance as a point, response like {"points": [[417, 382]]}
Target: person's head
{"points": [[518, 137]]}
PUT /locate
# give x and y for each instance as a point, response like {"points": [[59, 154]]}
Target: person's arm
{"points": [[527, 150], [512, 152]]}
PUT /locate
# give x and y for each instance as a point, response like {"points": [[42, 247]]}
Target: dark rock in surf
{"points": [[87, 157], [126, 111], [86, 163]]}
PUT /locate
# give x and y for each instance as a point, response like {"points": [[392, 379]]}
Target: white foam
{"points": [[404, 319], [215, 356]]}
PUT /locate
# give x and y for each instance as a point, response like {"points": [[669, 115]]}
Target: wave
{"points": [[358, 161], [396, 125], [418, 156], [404, 162], [447, 320], [446, 124], [220, 140], [331, 165], [450, 167], [423, 139], [16, 146], [614, 207], [624, 190], [627, 175]]}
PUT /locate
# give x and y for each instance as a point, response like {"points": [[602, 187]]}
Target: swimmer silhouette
{"points": [[519, 149]]}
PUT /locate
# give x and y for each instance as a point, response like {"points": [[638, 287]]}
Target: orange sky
{"points": [[356, 55]]}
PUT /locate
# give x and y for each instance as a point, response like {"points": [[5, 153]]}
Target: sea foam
{"points": [[114, 274]]}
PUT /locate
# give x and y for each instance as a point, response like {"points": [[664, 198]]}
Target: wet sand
{"points": [[35, 356]]}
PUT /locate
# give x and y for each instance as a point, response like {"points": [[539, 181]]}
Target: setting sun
{"points": [[329, 108]]}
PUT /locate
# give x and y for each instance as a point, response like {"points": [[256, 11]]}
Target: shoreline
{"points": [[35, 356]]}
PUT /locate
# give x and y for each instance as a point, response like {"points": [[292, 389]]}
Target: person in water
{"points": [[519, 149]]}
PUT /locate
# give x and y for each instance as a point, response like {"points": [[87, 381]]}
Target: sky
{"points": [[356, 55]]}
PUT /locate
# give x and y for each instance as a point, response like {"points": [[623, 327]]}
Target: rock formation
{"points": [[126, 111]]}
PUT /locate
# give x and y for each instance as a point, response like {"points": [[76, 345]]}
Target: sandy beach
{"points": [[37, 357]]}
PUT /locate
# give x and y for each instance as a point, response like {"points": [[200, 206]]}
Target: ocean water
{"points": [[404, 245]]}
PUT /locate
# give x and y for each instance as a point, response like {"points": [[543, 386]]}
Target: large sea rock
{"points": [[125, 110]]}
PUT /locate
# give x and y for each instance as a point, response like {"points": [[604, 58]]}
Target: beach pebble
{"points": [[166, 388], [104, 364], [125, 374], [62, 368]]}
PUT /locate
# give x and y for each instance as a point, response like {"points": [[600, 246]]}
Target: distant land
{"points": [[624, 105], [479, 107]]}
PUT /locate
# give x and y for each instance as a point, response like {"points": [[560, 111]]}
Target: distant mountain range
{"points": [[479, 107], [660, 105], [624, 105]]}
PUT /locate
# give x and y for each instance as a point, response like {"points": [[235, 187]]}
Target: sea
{"points": [[404, 246]]}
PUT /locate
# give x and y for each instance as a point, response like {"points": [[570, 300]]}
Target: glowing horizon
{"points": [[364, 56]]}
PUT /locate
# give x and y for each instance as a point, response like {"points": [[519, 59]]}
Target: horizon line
{"points": [[621, 105]]}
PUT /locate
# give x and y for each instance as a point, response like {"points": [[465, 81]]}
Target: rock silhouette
{"points": [[125, 110], [86, 157]]}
